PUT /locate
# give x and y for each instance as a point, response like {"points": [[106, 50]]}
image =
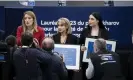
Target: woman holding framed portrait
{"points": [[95, 29], [64, 36]]}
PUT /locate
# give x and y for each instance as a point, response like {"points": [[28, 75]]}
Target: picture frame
{"points": [[110, 45], [71, 55]]}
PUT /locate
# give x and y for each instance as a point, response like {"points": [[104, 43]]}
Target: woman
{"points": [[29, 23], [95, 29], [64, 36]]}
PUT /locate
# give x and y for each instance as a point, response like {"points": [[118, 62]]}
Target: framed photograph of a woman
{"points": [[110, 45]]}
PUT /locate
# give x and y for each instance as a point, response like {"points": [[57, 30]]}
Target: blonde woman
{"points": [[29, 23], [64, 36]]}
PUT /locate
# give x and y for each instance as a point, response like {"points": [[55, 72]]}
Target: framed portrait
{"points": [[71, 55], [110, 45]]}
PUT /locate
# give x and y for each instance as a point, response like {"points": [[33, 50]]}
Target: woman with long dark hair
{"points": [[95, 29]]}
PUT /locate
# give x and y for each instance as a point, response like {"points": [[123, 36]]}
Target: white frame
{"points": [[85, 59], [77, 47]]}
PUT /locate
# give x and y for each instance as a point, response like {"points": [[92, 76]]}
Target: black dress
{"points": [[71, 39]]}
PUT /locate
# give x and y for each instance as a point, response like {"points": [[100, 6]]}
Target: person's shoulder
{"points": [[17, 51], [56, 35], [20, 27], [104, 30], [94, 55], [40, 28], [113, 53], [73, 36], [35, 50], [85, 29], [39, 52]]}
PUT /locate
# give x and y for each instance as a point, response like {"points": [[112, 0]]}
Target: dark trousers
{"points": [[70, 74], [84, 67], [7, 72]]}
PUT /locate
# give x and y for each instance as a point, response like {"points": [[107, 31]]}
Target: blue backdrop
{"points": [[2, 17], [118, 20], [2, 21]]}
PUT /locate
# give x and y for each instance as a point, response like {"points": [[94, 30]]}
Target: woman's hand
{"points": [[83, 48]]}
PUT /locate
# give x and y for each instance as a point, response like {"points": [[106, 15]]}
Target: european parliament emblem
{"points": [[31, 3]]}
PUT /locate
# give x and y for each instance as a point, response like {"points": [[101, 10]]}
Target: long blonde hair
{"points": [[67, 24], [34, 25]]}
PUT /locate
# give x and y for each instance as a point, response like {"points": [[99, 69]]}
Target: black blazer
{"points": [[71, 39], [86, 33], [38, 62], [59, 70]]}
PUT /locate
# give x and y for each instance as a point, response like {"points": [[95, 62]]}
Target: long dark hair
{"points": [[99, 18]]}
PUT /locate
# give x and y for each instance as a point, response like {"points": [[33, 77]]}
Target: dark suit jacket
{"points": [[71, 39], [59, 71], [86, 33], [28, 63]]}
